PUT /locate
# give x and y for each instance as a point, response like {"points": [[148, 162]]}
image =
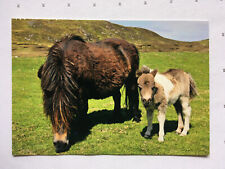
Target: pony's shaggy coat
{"points": [[161, 90], [76, 71]]}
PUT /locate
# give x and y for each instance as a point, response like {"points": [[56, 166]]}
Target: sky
{"points": [[176, 30]]}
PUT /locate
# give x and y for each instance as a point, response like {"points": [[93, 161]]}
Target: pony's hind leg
{"points": [[187, 114], [133, 99], [178, 108], [117, 108]]}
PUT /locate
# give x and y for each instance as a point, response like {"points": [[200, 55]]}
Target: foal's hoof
{"points": [[183, 134], [178, 131], [161, 139], [147, 136]]}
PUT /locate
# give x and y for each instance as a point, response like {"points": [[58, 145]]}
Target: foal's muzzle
{"points": [[146, 102]]}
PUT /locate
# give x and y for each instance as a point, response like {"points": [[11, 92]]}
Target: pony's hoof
{"points": [[136, 119], [117, 118]]}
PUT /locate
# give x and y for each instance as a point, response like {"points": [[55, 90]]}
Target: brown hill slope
{"points": [[41, 34]]}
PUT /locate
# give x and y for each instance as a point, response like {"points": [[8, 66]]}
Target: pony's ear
{"points": [[39, 71], [145, 69], [138, 73], [154, 72]]}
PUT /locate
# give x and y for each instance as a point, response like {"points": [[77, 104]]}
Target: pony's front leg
{"points": [[161, 119], [83, 109], [150, 113]]}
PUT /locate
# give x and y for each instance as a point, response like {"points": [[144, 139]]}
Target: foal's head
{"points": [[146, 84]]}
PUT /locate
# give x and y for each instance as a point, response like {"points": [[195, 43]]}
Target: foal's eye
{"points": [[146, 83]]}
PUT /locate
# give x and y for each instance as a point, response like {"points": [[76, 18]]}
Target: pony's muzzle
{"points": [[60, 146], [61, 142]]}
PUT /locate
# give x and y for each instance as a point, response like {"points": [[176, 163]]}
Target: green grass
{"points": [[32, 133]]}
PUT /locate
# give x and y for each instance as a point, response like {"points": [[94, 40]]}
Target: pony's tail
{"points": [[193, 89]]}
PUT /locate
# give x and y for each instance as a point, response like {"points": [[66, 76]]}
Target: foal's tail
{"points": [[193, 89]]}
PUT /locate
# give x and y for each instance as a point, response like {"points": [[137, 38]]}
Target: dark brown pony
{"points": [[76, 71]]}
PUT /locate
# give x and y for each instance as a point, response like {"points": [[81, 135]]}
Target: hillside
{"points": [[39, 35]]}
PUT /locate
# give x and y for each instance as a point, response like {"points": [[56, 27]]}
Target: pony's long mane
{"points": [[59, 86]]}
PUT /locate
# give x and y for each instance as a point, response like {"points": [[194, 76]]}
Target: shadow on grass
{"points": [[81, 128], [169, 126]]}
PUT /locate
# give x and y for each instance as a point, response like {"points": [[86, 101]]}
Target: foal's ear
{"points": [[138, 73], [154, 72], [39, 71], [145, 69]]}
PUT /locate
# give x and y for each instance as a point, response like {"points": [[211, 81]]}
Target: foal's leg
{"points": [[161, 119], [178, 108], [149, 118], [187, 113], [117, 100]]}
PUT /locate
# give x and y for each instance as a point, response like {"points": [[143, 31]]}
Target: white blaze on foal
{"points": [[160, 90]]}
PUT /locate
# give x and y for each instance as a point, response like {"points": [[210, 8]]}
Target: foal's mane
{"points": [[58, 84]]}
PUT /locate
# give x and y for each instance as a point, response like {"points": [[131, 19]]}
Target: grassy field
{"points": [[32, 134]]}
